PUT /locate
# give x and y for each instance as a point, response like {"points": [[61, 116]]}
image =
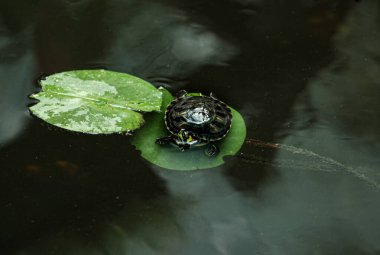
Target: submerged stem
{"points": [[323, 163]]}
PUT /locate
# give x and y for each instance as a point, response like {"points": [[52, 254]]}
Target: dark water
{"points": [[302, 73]]}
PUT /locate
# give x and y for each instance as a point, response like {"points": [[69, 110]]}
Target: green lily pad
{"points": [[95, 101], [170, 157]]}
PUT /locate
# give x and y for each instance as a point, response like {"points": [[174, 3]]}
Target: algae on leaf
{"points": [[95, 101], [170, 157]]}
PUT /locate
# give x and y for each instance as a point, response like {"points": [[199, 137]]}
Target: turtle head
{"points": [[185, 139]]}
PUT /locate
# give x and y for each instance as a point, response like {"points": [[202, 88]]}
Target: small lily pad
{"points": [[170, 157], [95, 101]]}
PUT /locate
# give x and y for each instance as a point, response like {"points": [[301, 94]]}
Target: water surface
{"points": [[302, 73]]}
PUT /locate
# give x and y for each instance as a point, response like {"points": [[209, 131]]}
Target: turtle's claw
{"points": [[184, 147], [212, 150], [181, 93], [212, 95], [164, 140]]}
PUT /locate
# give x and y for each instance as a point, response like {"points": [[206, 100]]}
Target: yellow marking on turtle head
{"points": [[189, 139]]}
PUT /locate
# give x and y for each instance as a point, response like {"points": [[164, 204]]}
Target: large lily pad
{"points": [[170, 157], [95, 101]]}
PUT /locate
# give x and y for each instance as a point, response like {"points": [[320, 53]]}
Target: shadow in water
{"points": [[77, 182]]}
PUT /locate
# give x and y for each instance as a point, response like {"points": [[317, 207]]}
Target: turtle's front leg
{"points": [[212, 150], [165, 140]]}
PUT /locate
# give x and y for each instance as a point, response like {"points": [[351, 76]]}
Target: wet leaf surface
{"points": [[95, 101]]}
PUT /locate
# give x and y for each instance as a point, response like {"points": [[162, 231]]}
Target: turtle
{"points": [[196, 121]]}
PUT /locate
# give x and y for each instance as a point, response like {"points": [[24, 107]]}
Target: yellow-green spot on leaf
{"points": [[170, 157]]}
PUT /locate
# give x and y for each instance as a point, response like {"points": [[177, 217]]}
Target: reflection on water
{"points": [[303, 73], [345, 127], [344, 98], [17, 74], [160, 41]]}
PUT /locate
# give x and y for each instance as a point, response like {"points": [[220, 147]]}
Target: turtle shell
{"points": [[206, 116]]}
